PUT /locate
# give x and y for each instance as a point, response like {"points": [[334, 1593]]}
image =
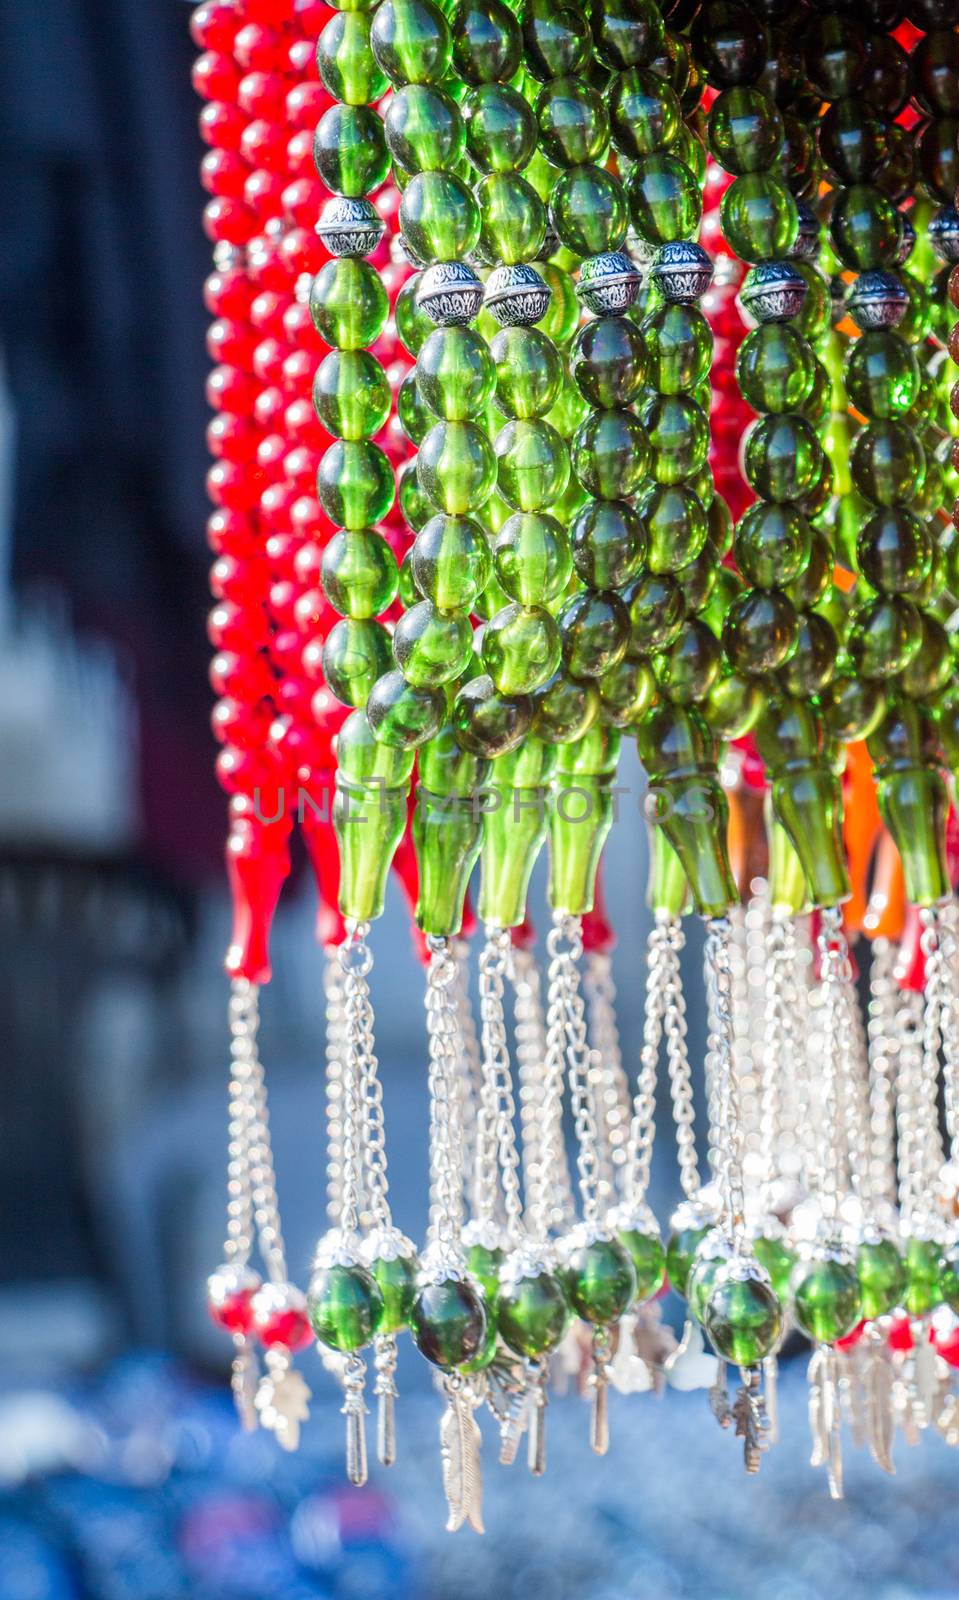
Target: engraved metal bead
{"points": [[877, 299], [450, 293], [944, 233], [683, 271], [805, 246], [350, 227], [773, 291], [609, 283], [516, 296]]}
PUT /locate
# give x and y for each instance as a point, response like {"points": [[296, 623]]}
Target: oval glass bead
{"points": [[424, 129], [396, 1280], [608, 362], [665, 200], [743, 1318], [448, 1322], [610, 454], [350, 151], [885, 637], [351, 394], [826, 1299], [783, 459], [688, 670], [439, 217], [882, 1277], [345, 60], [759, 217], [528, 372], [354, 483], [599, 1280], [431, 646], [344, 1305], [401, 715], [456, 467], [678, 432], [608, 543], [532, 1314], [488, 723], [656, 612], [348, 303], [676, 526], [573, 124], [865, 228], [359, 573], [887, 463], [588, 209], [595, 633], [451, 562], [455, 375], [500, 128], [760, 631], [564, 709], [627, 689], [532, 558], [679, 347], [557, 39], [411, 41], [532, 464], [644, 112], [486, 41], [772, 543], [512, 218], [745, 131], [521, 649], [627, 33], [356, 652], [774, 368]]}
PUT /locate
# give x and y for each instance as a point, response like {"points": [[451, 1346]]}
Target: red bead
{"points": [[228, 221], [327, 711], [263, 94], [237, 633], [299, 155], [229, 389], [268, 407], [281, 550], [230, 533], [302, 201], [245, 726], [258, 48], [302, 56], [312, 612], [851, 1338], [267, 310], [247, 771], [266, 265], [299, 330], [263, 193], [228, 293], [238, 487], [264, 145], [269, 456], [299, 368], [900, 1334], [302, 424], [279, 1317], [222, 125], [231, 438], [308, 519], [230, 1290], [297, 745], [285, 651], [231, 343], [946, 1343], [311, 16], [275, 503], [305, 105], [312, 658], [214, 76], [302, 251], [306, 564], [268, 359], [224, 172], [214, 25], [282, 598], [302, 464], [244, 582], [270, 13]]}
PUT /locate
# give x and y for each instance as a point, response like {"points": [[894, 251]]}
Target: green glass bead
{"points": [[688, 1230], [608, 543], [783, 459], [711, 1255], [356, 651], [500, 128], [688, 670], [676, 526], [826, 1298], [573, 123], [921, 1260], [835, 54], [912, 795], [486, 41], [656, 613], [412, 324], [665, 200], [798, 161], [512, 218], [456, 467], [932, 667], [678, 431], [348, 303], [610, 454], [733, 706], [349, 150], [359, 573], [483, 1262], [731, 43], [351, 394], [455, 374], [774, 368], [644, 112], [866, 228], [521, 649], [816, 314], [775, 1256], [424, 129], [528, 372], [533, 1313], [773, 544], [439, 217], [626, 691], [431, 646], [562, 318], [852, 708], [760, 631], [532, 464], [414, 505], [679, 346], [451, 562], [949, 1275], [882, 1276], [938, 154], [813, 661], [344, 1305], [532, 558], [608, 362], [369, 815], [759, 217], [395, 1278], [882, 375], [557, 39], [599, 1279], [595, 633], [627, 33], [355, 483], [887, 464], [415, 418], [686, 800], [587, 207], [402, 715], [448, 1322], [648, 1255], [745, 131], [489, 1349], [565, 415], [411, 41], [885, 636], [743, 1317], [564, 709], [346, 62], [487, 722], [895, 551]]}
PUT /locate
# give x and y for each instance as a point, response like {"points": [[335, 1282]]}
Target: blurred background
{"points": [[122, 1473]]}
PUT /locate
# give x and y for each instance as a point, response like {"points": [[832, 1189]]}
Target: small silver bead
{"points": [[944, 233], [516, 296], [450, 294], [350, 227], [683, 271], [805, 246], [773, 291], [877, 299], [609, 283]]}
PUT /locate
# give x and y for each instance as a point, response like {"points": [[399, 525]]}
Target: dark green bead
{"points": [[564, 709], [401, 715], [679, 346], [424, 129], [774, 1254], [344, 1305], [351, 394], [676, 526], [826, 1298], [455, 374], [626, 691], [528, 372], [431, 646], [608, 543], [733, 706], [346, 62], [355, 483], [486, 41], [599, 1280], [938, 153], [627, 33], [456, 467], [644, 112], [683, 1243], [816, 314], [760, 631], [933, 666], [349, 150], [488, 723], [648, 1255], [656, 613], [573, 124], [439, 217], [885, 636], [610, 454], [532, 558], [759, 217], [882, 375], [665, 199], [488, 1350], [687, 671], [887, 463], [731, 43], [608, 361], [484, 1262], [743, 1318], [835, 53], [512, 218], [532, 1313], [448, 1322], [355, 653], [921, 1259], [358, 573], [521, 649], [745, 131], [678, 432], [587, 207], [866, 228], [705, 587], [783, 459], [895, 551], [532, 464], [396, 1280], [411, 40], [773, 544], [813, 660], [595, 633], [851, 708], [557, 39], [949, 1276], [451, 562], [500, 128], [774, 368], [852, 141], [882, 1277], [348, 303]]}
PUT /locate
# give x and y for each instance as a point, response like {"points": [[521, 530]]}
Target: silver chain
{"points": [[262, 1176], [446, 1222], [833, 974], [493, 965], [677, 1058], [335, 1043], [730, 1171], [881, 1041], [908, 1096], [642, 1130], [612, 1083], [529, 1026], [355, 960], [472, 1074], [932, 1157], [565, 946], [243, 1017], [775, 1063], [949, 1024]]}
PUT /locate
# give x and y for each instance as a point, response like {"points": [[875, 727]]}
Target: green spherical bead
{"points": [[451, 562], [439, 217], [488, 1350], [773, 544], [456, 467], [938, 154], [760, 631], [665, 200], [627, 33], [626, 691], [351, 394], [610, 454], [599, 1280], [411, 41], [346, 62], [595, 633], [835, 54], [414, 416], [348, 304], [733, 707], [745, 131], [949, 1276], [775, 1256], [354, 483], [852, 141], [424, 129], [532, 558], [448, 1322], [783, 459], [501, 128], [885, 636], [483, 1262], [455, 374], [679, 347], [712, 1254], [882, 1277], [359, 573], [414, 505], [608, 543], [887, 463], [512, 218], [349, 150], [587, 207], [676, 526], [564, 709], [528, 371], [521, 649], [678, 431], [431, 646], [895, 551], [882, 375], [487, 723], [826, 1298], [866, 228], [687, 671], [852, 708], [648, 1255], [344, 1305], [486, 41], [813, 661], [412, 324], [743, 1318], [608, 362], [759, 217], [656, 613], [532, 1313], [355, 653], [644, 112], [921, 1260], [933, 666], [681, 1248], [401, 715], [532, 464], [775, 368], [731, 42], [396, 1280], [557, 40], [573, 123]]}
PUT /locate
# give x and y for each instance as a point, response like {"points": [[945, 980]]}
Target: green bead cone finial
{"points": [[369, 815], [913, 799], [686, 800], [667, 887], [447, 831], [806, 795], [516, 825], [787, 880], [582, 814]]}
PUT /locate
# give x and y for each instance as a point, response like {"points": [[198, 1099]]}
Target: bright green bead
{"points": [[851, 708], [813, 660], [826, 1299], [431, 646], [816, 315], [882, 1277], [532, 558], [529, 372], [895, 551], [344, 1305], [599, 1280], [759, 217], [532, 464], [760, 631], [532, 1313], [557, 40], [488, 723], [349, 150], [648, 1255], [608, 543], [783, 459], [562, 318], [656, 613], [705, 586], [456, 467], [439, 217], [745, 131], [885, 636], [865, 227], [348, 303], [949, 1276], [921, 1257], [608, 361], [684, 1241], [665, 200], [486, 41], [610, 454], [354, 483], [355, 653], [773, 544], [573, 124], [774, 368], [362, 762], [595, 629], [521, 649], [733, 707], [402, 715], [359, 573], [678, 432], [451, 562], [413, 503], [887, 463], [676, 526], [483, 1262], [687, 671], [512, 218], [500, 128], [448, 1322], [743, 1318], [627, 689], [587, 207], [564, 709], [775, 1256], [933, 666], [455, 374], [679, 347], [396, 1280], [644, 112], [424, 129], [412, 324], [351, 394], [411, 41], [346, 62]]}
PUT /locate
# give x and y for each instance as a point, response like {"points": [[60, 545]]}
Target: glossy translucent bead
{"points": [[774, 368], [608, 361], [599, 1280], [349, 150], [532, 1313], [455, 374], [344, 1305], [528, 372], [456, 467], [885, 637], [573, 123], [679, 347], [682, 1245], [783, 459], [665, 199], [759, 217], [564, 709], [608, 542], [610, 454], [731, 43], [678, 432], [687, 671], [488, 723], [402, 715], [743, 1318], [852, 141], [532, 464], [451, 562], [439, 217], [348, 303], [346, 62], [813, 661], [676, 526], [835, 54], [521, 649], [359, 573], [656, 613], [933, 665], [486, 41], [627, 33], [413, 503], [431, 646], [448, 1322], [745, 131], [587, 207], [411, 41], [532, 558], [865, 228], [557, 40], [644, 112], [921, 1260], [777, 1258], [501, 128], [882, 375], [595, 630], [852, 708], [760, 631], [424, 129], [351, 394], [512, 218], [826, 1299], [949, 1276], [627, 689], [882, 1277], [887, 463], [355, 653], [354, 483], [773, 544], [483, 1262]]}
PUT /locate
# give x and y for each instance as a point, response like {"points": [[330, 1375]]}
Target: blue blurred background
{"points": [[122, 1474]]}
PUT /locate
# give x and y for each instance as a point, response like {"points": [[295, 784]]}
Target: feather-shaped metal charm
{"points": [[880, 1421], [460, 1442]]}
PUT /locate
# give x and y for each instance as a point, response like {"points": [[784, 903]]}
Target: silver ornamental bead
{"points": [[450, 294], [350, 227], [516, 296], [773, 291], [944, 233], [908, 241], [877, 299], [609, 283], [683, 271], [805, 246]]}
